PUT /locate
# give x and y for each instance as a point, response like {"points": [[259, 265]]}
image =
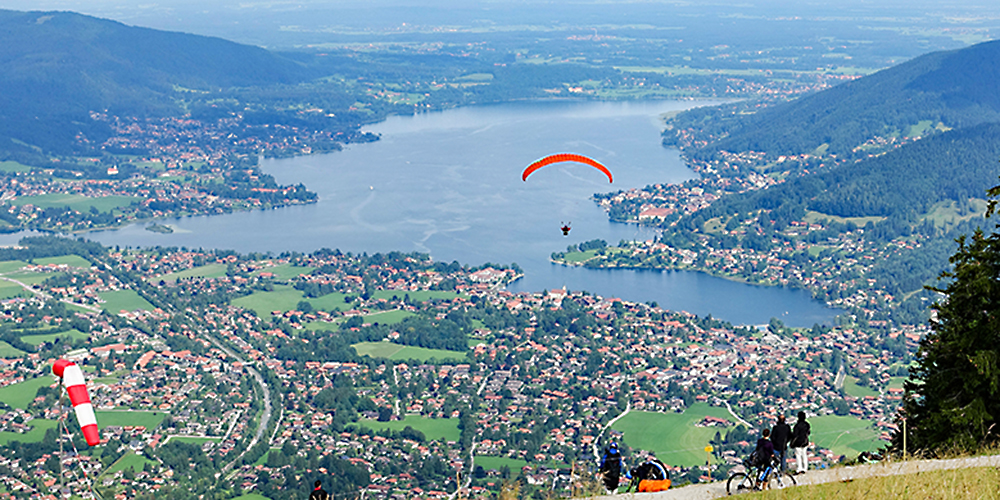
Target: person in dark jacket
{"points": [[611, 467], [800, 441], [780, 434], [318, 493]]}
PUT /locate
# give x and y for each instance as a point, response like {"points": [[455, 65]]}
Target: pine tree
{"points": [[953, 394]]}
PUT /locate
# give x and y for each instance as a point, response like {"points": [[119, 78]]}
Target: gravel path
{"points": [[718, 489]]}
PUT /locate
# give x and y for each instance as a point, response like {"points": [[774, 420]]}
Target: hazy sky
{"points": [[269, 23]]}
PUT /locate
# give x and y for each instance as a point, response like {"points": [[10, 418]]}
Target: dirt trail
{"points": [[718, 489]]}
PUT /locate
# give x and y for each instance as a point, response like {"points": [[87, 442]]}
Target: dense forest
{"points": [[956, 165]]}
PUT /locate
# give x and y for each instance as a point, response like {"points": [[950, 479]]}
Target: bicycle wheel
{"points": [[739, 483], [779, 480]]}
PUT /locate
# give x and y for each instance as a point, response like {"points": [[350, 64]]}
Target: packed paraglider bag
{"points": [[650, 476]]}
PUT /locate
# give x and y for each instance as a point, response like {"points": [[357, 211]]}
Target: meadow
{"points": [[147, 419], [285, 298], [397, 352], [36, 340], [851, 388], [285, 271], [21, 394], [433, 428], [9, 351], [497, 463], [69, 260], [76, 202], [129, 459], [382, 318], [844, 435], [40, 425], [9, 290], [123, 300], [9, 266], [672, 436]]}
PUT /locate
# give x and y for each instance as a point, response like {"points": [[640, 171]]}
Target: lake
{"points": [[449, 184]]}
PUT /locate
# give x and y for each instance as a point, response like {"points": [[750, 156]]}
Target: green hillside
{"points": [[952, 88], [80, 63]]}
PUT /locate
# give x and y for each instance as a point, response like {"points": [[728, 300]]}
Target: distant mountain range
{"points": [[55, 67], [957, 88]]}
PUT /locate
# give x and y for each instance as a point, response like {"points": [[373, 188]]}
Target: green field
{"points": [[9, 351], [433, 428], [206, 271], [129, 459], [814, 217], [34, 435], [844, 435], [851, 388], [49, 337], [286, 271], [31, 277], [196, 440], [285, 298], [9, 290], [497, 463], [579, 257], [75, 201], [397, 352], [417, 296], [251, 496], [945, 214], [8, 266], [387, 317], [69, 260], [13, 166], [672, 436], [124, 300], [382, 318], [147, 419], [20, 395]]}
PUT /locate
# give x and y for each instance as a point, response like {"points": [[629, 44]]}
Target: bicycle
{"points": [[754, 479]]}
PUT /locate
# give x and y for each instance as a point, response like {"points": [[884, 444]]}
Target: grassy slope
{"points": [[672, 436], [844, 435], [959, 484]]}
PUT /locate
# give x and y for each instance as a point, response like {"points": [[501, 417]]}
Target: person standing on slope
{"points": [[318, 493], [780, 435], [800, 441], [611, 467]]}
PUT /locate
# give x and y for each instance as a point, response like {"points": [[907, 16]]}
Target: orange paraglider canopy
{"points": [[561, 157]]}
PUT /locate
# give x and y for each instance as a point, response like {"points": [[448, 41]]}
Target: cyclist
{"points": [[763, 455]]}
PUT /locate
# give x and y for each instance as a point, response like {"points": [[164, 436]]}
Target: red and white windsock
{"points": [[76, 386]]}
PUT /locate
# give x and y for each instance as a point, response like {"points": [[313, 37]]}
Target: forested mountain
{"points": [[956, 165], [55, 67], [955, 88]]}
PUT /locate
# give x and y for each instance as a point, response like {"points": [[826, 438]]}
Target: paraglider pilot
{"points": [[611, 467]]}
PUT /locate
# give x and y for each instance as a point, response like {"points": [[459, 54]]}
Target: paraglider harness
{"points": [[649, 477]]}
